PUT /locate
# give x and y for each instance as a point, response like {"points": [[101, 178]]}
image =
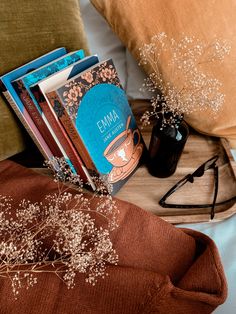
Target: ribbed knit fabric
{"points": [[161, 269]]}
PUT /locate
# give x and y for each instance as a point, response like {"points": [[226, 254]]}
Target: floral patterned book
{"points": [[95, 105]]}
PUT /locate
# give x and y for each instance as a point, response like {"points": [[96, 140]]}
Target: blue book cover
{"points": [[34, 64], [25, 81], [22, 87], [15, 102], [99, 109]]}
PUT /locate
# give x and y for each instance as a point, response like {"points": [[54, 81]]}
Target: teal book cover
{"points": [[22, 87], [99, 109], [23, 83]]}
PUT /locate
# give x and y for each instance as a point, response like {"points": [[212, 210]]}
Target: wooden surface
{"points": [[145, 190]]}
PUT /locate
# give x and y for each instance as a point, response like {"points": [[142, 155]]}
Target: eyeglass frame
{"points": [[199, 172]]}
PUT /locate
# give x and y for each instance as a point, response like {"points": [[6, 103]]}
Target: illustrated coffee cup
{"points": [[121, 149]]}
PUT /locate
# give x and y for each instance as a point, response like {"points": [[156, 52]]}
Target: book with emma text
{"points": [[97, 105]]}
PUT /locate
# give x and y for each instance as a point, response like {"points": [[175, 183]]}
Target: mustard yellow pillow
{"points": [[29, 29], [136, 21]]}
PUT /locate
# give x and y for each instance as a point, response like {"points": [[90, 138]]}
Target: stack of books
{"points": [[74, 107]]}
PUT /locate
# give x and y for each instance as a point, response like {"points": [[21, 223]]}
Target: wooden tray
{"points": [[145, 190]]}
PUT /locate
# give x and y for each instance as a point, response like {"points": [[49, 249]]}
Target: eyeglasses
{"points": [[199, 172]]}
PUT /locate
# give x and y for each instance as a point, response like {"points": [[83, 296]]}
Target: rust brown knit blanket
{"points": [[162, 269]]}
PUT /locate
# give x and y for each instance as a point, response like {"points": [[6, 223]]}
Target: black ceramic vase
{"points": [[165, 148]]}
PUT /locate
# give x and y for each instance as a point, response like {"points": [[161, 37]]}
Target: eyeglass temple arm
{"points": [[175, 188], [216, 179]]}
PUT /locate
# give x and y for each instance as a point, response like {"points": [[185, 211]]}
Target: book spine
{"points": [[59, 132], [37, 118], [66, 121], [29, 126]]}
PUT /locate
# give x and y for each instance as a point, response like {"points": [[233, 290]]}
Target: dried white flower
{"points": [[184, 88], [58, 235]]}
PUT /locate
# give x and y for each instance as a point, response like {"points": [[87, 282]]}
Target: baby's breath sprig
{"points": [[182, 87], [59, 235]]}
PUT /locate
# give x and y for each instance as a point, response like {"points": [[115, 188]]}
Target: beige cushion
{"points": [[29, 29], [136, 21]]}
